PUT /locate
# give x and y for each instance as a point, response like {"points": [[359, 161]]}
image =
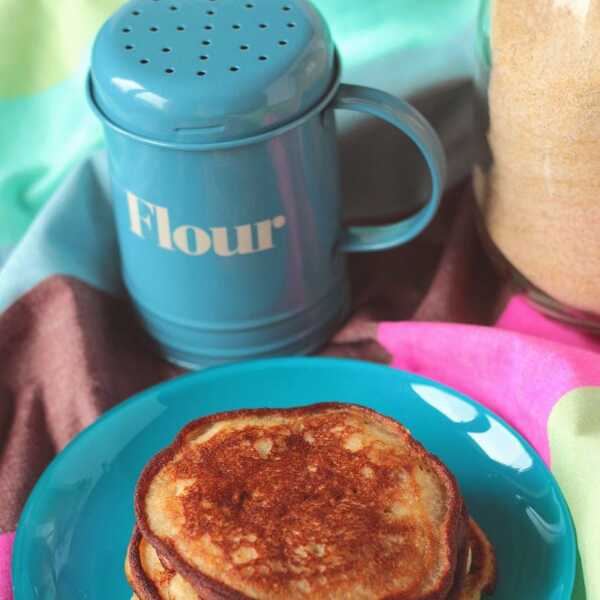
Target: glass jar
{"points": [[537, 178]]}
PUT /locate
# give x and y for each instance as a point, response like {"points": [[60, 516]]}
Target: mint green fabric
{"points": [[46, 134], [46, 126], [574, 433], [368, 29]]}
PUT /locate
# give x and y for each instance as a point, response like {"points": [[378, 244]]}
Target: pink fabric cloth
{"points": [[6, 544], [520, 316]]}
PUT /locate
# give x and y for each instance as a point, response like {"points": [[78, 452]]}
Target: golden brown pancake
{"points": [[329, 501], [154, 580]]}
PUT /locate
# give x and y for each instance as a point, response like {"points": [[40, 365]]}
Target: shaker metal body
{"points": [[236, 253]]}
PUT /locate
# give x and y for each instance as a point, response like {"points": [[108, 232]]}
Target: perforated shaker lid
{"points": [[206, 71]]}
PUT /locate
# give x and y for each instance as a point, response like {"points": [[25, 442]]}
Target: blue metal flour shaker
{"points": [[221, 136]]}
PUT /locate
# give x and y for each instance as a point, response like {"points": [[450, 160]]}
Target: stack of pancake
{"points": [[331, 501]]}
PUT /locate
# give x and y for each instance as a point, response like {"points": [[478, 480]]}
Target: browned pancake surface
{"points": [[482, 569], [329, 501], [151, 577]]}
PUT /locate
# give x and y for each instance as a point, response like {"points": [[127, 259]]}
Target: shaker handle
{"points": [[406, 118]]}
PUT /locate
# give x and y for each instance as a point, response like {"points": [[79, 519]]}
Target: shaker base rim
{"points": [[296, 347], [302, 334]]}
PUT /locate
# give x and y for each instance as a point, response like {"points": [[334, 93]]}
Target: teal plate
{"points": [[74, 530]]}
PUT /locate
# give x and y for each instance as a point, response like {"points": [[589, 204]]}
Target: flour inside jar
{"points": [[540, 198]]}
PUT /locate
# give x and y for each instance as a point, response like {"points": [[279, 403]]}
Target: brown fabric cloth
{"points": [[69, 352]]}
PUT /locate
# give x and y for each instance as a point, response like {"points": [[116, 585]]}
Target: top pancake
{"points": [[327, 501]]}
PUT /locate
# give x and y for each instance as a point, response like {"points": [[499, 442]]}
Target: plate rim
{"points": [[295, 362]]}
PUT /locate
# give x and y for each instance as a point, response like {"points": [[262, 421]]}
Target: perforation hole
{"points": [[144, 61], [126, 30], [263, 26], [201, 73], [249, 5], [206, 42], [234, 69], [286, 8], [236, 26], [153, 29], [282, 43], [203, 57], [244, 47], [129, 47], [136, 13], [291, 25], [166, 50], [263, 58], [173, 7], [208, 27], [180, 28], [210, 13], [169, 71]]}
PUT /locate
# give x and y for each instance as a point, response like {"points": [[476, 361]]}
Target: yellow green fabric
{"points": [[42, 42], [574, 434]]}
